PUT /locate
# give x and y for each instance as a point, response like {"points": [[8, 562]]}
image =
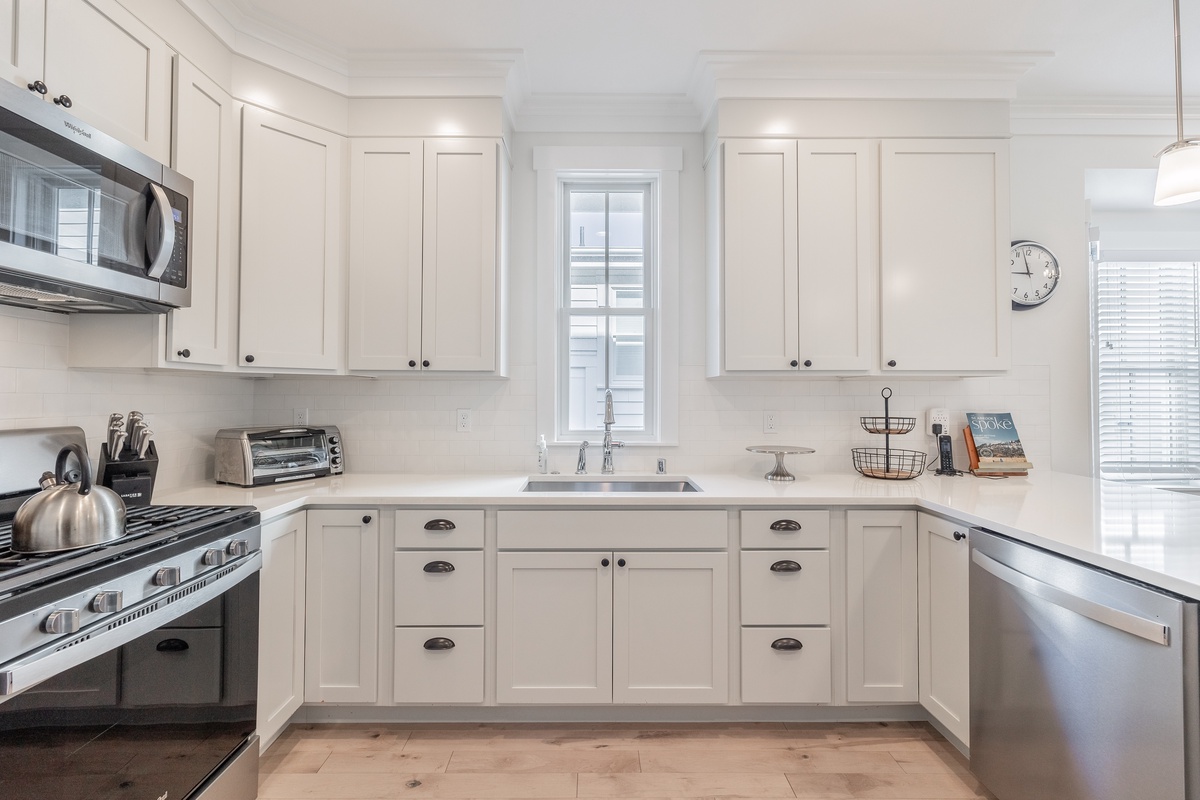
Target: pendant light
{"points": [[1179, 163]]}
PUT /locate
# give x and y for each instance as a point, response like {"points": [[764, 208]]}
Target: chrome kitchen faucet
{"points": [[609, 442]]}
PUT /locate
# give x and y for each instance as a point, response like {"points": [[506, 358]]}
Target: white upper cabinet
{"points": [[459, 274], [425, 254], [836, 255], [205, 149], [385, 254], [944, 240], [291, 258], [759, 290], [115, 71], [22, 40], [797, 270]]}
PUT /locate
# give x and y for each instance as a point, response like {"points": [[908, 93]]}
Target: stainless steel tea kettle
{"points": [[64, 516]]}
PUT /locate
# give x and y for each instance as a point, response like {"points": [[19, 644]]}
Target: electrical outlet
{"points": [[937, 416], [299, 416], [770, 422], [464, 420]]}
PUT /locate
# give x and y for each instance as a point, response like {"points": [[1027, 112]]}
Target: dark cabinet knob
{"points": [[959, 536], [425, 363], [785, 525], [438, 567], [604, 562], [39, 87], [787, 644], [795, 363], [808, 362], [184, 353], [249, 359], [63, 100], [439, 643], [785, 566], [367, 519], [620, 562], [412, 363], [892, 363]]}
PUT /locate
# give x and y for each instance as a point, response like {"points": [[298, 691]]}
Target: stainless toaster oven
{"points": [[266, 456]]}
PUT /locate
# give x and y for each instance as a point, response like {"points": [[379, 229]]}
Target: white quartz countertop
{"points": [[1146, 534]]}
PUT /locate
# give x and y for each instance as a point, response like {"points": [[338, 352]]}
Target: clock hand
{"points": [[1028, 271]]}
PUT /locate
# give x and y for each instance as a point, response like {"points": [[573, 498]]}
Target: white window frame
{"points": [[660, 167]]}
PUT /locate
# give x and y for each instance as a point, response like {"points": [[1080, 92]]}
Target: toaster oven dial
{"points": [[334, 440], [335, 460], [334, 450]]}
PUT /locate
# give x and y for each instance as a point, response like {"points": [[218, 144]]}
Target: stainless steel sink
{"points": [[670, 486]]}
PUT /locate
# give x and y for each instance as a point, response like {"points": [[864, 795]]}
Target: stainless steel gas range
{"points": [[128, 669]]}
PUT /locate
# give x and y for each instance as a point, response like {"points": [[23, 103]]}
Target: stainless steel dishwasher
{"points": [[1083, 683]]}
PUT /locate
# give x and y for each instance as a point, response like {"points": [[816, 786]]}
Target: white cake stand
{"points": [[780, 472]]}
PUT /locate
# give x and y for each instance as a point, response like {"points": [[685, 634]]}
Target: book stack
{"points": [[993, 445]]}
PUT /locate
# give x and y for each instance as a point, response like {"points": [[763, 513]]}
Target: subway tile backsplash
{"points": [[406, 424]]}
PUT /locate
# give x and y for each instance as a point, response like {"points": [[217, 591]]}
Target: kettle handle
{"points": [[85, 467]]}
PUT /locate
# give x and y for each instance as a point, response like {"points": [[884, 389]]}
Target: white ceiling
{"points": [[1080, 49]]}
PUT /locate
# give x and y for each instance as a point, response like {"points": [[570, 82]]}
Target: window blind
{"points": [[1148, 369]]}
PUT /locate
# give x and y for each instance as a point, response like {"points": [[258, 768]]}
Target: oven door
{"points": [[170, 714], [79, 208]]}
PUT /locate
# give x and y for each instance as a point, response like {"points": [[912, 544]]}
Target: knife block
{"points": [[129, 476]]}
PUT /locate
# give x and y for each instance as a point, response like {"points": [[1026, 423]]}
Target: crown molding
{"points": [[1101, 116], [607, 113]]}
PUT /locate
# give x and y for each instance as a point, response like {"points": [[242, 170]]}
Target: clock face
{"points": [[1034, 274]]}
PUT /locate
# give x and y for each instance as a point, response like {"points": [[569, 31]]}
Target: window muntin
{"points": [[1147, 350], [607, 308]]}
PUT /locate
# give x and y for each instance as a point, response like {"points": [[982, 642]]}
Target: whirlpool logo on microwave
{"points": [[78, 129]]}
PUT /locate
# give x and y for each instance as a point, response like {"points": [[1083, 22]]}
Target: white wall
{"points": [[407, 424], [184, 411]]}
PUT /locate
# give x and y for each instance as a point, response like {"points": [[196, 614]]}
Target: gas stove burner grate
{"points": [[153, 524]]}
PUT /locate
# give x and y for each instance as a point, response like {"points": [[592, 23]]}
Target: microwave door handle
{"points": [[160, 255]]}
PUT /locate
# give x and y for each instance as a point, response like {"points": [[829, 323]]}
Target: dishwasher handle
{"points": [[1106, 615]]}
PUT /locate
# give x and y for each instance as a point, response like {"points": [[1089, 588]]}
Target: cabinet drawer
{"points": [[774, 592], [444, 529], [439, 587], [438, 665], [774, 675], [785, 528], [613, 530]]}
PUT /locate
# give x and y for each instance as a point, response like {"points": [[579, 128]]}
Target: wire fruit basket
{"points": [[888, 463]]}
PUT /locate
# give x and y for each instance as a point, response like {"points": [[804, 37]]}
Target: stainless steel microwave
{"points": [[87, 223]]}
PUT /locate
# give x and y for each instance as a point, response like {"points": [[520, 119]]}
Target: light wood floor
{"points": [[869, 760]]}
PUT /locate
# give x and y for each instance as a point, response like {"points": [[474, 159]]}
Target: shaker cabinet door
{"points": [[281, 625]]}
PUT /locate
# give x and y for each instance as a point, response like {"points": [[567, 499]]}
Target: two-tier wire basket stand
{"points": [[888, 463]]}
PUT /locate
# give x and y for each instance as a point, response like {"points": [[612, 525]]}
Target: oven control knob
{"points": [[168, 576], [335, 450], [64, 620], [215, 557], [108, 602], [335, 460], [238, 548]]}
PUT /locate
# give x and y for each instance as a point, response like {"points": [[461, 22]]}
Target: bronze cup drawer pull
{"points": [[785, 525], [788, 645], [439, 525], [439, 566], [785, 566], [439, 643]]}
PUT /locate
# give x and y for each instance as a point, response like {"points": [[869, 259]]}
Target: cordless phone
{"points": [[945, 452]]}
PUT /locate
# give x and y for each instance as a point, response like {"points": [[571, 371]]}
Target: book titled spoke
{"points": [[994, 444]]}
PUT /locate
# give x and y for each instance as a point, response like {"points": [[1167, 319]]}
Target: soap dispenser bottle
{"points": [[543, 455]]}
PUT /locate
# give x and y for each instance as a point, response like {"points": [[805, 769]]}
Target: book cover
{"points": [[996, 438]]}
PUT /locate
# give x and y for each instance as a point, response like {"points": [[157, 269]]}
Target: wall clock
{"points": [[1034, 273]]}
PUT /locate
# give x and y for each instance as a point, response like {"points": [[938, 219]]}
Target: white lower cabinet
{"points": [[438, 665], [281, 625], [881, 606], [601, 627], [342, 606], [786, 665], [944, 632]]}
